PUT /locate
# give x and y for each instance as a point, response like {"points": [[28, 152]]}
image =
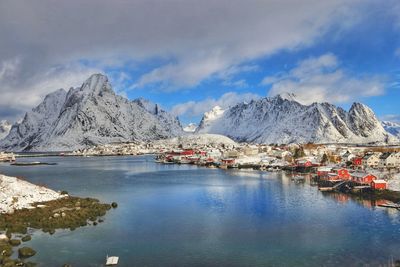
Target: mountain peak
{"points": [[96, 83], [87, 116], [288, 96]]}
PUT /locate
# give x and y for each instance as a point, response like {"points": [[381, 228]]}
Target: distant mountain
{"points": [[282, 119], [190, 128], [392, 127], [5, 127], [89, 115]]}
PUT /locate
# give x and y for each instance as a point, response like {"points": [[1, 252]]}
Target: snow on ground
{"points": [[18, 194], [394, 182], [199, 139]]}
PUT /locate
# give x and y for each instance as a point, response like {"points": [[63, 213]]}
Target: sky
{"points": [[189, 56]]}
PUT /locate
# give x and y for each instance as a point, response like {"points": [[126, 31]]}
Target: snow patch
{"points": [[19, 194]]}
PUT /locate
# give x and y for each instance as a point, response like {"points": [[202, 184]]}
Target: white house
{"points": [[370, 160]]}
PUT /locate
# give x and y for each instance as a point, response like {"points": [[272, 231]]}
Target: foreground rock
{"points": [[16, 194], [26, 206], [26, 252]]}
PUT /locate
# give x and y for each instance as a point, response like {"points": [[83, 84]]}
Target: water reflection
{"points": [[182, 215]]}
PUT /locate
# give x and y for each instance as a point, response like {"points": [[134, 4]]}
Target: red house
{"points": [[343, 174], [304, 163], [188, 152], [362, 177], [357, 161], [228, 161], [378, 184]]}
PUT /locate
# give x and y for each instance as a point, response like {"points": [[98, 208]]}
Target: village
{"points": [[334, 165]]}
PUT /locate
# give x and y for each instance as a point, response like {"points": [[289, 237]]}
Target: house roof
{"points": [[359, 174], [367, 156], [380, 181], [385, 155]]}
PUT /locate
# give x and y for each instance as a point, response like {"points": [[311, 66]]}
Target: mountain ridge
{"points": [[282, 119], [88, 115]]}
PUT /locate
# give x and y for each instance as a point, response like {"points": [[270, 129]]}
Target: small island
{"points": [[26, 206]]}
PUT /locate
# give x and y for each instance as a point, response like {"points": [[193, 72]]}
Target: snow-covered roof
{"points": [[380, 181]]}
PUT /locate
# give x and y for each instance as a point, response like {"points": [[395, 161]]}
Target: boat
{"points": [[112, 261], [389, 204], [33, 163]]}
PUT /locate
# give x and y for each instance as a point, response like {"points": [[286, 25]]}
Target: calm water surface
{"points": [[180, 215]]}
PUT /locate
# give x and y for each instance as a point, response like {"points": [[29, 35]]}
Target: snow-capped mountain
{"points": [[90, 115], [190, 128], [209, 118], [282, 119], [392, 128], [5, 127]]}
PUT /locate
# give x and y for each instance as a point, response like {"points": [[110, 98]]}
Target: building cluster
{"points": [[359, 178], [7, 157], [361, 165]]}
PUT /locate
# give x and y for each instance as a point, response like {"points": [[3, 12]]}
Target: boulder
{"points": [[15, 242], [26, 238], [26, 252]]}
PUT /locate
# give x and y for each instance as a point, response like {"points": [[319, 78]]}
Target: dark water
{"points": [[171, 215]]}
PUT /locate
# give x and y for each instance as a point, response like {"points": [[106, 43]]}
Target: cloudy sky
{"points": [[191, 55]]}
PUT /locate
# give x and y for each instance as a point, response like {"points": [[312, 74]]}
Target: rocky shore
{"points": [[25, 207]]}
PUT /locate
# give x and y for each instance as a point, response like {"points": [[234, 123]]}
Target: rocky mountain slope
{"points": [[5, 127], [282, 119], [392, 128], [90, 115]]}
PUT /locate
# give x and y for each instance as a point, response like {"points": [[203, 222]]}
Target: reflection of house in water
{"points": [[344, 198]]}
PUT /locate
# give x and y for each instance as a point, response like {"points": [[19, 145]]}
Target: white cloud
{"points": [[31, 92], [391, 117], [322, 79], [194, 39], [193, 108]]}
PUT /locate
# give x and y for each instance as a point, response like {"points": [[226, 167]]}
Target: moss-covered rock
{"points": [[15, 242], [5, 249], [26, 238], [26, 252]]}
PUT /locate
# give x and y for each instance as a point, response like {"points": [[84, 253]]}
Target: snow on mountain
{"points": [[392, 128], [89, 115], [190, 128], [209, 118], [5, 127], [282, 119]]}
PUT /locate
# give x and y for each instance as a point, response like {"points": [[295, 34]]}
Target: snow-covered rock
{"points": [[282, 119], [392, 128], [89, 115], [19, 194], [5, 127], [190, 128]]}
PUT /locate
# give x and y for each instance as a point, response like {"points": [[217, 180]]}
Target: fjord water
{"points": [[182, 215]]}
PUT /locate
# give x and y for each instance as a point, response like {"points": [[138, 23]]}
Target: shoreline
{"points": [[30, 207]]}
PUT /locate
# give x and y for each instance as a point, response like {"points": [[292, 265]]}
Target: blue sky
{"points": [[189, 56]]}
